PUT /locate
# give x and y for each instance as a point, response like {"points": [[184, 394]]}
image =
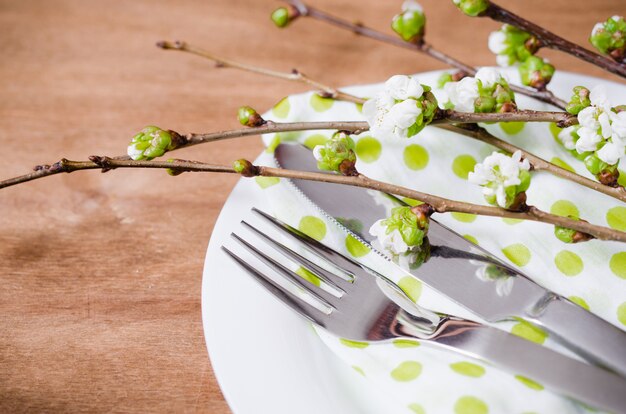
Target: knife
{"points": [[452, 269]]}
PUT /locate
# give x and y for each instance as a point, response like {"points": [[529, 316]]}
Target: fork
{"points": [[356, 303]]}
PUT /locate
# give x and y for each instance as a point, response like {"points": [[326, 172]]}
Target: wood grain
{"points": [[101, 274]]}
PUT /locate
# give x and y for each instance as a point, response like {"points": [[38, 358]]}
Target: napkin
{"points": [[419, 378]]}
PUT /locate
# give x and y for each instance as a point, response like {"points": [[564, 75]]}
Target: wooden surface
{"points": [[100, 275]]}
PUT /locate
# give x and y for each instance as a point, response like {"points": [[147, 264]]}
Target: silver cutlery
{"points": [[453, 266], [356, 303]]}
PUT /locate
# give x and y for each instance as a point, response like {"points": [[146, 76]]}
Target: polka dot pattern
{"points": [[568, 263], [530, 332], [616, 218], [518, 254], [411, 286], [320, 104], [468, 369], [313, 227], [470, 405], [618, 264], [368, 149], [407, 371], [415, 157], [355, 247], [463, 165]]}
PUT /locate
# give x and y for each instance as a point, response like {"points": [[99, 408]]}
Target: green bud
{"points": [[443, 79], [409, 25], [595, 165], [337, 154], [496, 98], [536, 72], [484, 104], [406, 222], [152, 142], [610, 38], [249, 117], [245, 168], [564, 234], [282, 16], [472, 7], [579, 100]]}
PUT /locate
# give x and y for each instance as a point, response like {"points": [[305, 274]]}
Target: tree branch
{"points": [[295, 75], [553, 41], [423, 47], [439, 204]]}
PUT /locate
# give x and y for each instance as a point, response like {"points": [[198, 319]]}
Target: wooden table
{"points": [[101, 274]]}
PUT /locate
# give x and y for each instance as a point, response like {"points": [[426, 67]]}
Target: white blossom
{"points": [[489, 76], [566, 137], [462, 94], [497, 42], [497, 172], [392, 242], [401, 87], [601, 129], [317, 152], [395, 109]]}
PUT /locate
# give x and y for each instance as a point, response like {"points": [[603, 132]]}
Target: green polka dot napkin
{"points": [[416, 377]]}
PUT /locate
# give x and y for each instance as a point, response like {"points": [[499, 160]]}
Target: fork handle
{"points": [[587, 383], [591, 337]]}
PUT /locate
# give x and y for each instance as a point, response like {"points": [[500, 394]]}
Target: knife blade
{"points": [[453, 266]]}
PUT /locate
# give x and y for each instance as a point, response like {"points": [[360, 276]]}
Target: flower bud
{"points": [[610, 38], [606, 173], [245, 168], [567, 235], [409, 24], [152, 142], [536, 72], [512, 45], [249, 117], [402, 231], [336, 154], [579, 100], [282, 16], [472, 7]]}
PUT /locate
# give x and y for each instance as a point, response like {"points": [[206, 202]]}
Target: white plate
{"points": [[266, 359]]}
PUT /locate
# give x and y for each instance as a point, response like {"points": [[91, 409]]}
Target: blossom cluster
{"points": [[600, 136], [402, 109], [610, 37], [400, 232], [335, 153], [514, 46], [488, 91], [502, 177]]}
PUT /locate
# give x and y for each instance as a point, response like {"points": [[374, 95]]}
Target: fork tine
{"points": [[337, 260], [314, 291], [288, 298], [328, 277]]}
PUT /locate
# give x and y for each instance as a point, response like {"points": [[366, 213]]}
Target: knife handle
{"points": [[593, 338]]}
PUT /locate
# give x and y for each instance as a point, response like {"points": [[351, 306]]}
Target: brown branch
{"points": [[553, 41], [421, 47], [562, 119], [439, 204], [295, 75]]}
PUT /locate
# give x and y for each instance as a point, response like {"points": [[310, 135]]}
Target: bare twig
{"points": [[295, 75], [553, 41], [439, 204], [423, 47]]}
